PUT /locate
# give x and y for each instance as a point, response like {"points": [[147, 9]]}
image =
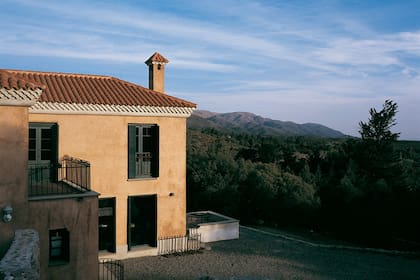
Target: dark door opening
{"points": [[142, 220], [107, 224]]}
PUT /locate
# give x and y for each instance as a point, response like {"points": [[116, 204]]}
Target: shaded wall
{"points": [[80, 217], [13, 170]]}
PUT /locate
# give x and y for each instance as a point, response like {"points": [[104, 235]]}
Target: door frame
{"points": [[130, 200], [114, 237]]}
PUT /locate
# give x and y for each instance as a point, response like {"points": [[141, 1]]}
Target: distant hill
{"points": [[242, 122]]}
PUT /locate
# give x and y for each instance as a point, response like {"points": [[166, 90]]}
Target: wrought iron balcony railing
{"points": [[69, 176], [144, 164]]}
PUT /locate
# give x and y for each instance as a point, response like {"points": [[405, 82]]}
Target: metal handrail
{"points": [[68, 176]]}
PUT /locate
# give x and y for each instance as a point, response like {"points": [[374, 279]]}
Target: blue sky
{"points": [[327, 62]]}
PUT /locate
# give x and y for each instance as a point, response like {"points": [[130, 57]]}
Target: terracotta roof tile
{"points": [[10, 81], [156, 57], [88, 89]]}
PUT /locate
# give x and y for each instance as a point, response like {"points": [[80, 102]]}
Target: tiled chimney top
{"points": [[156, 58]]}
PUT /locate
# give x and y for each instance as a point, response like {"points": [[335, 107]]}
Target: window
{"points": [[43, 151], [43, 138], [59, 246], [143, 151]]}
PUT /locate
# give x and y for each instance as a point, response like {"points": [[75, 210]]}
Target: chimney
{"points": [[156, 65]]}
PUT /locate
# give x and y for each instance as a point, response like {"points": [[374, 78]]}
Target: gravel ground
{"points": [[257, 256]]}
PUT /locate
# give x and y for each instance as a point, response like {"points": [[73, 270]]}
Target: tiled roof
{"points": [[15, 91], [156, 57], [10, 81], [65, 88]]}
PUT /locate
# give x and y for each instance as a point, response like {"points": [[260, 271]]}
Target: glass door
{"points": [[42, 152]]}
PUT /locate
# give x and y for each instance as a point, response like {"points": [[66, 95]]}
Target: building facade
{"points": [[65, 221], [105, 136]]}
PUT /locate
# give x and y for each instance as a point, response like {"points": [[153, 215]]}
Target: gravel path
{"points": [[257, 256]]}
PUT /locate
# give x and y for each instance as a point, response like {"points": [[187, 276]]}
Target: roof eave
{"points": [[19, 97], [103, 109]]}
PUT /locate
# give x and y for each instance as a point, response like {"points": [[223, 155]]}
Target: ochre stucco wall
{"points": [[13, 166], [102, 140]]}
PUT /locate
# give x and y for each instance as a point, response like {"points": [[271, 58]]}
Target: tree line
{"points": [[365, 189]]}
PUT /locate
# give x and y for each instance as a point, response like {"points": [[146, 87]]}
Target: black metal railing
{"points": [[144, 164], [69, 176], [111, 269], [180, 244]]}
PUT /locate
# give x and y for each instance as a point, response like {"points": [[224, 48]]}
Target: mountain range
{"points": [[243, 122]]}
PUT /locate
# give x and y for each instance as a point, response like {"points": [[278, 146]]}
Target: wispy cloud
{"points": [[190, 32], [330, 56], [382, 51], [254, 54]]}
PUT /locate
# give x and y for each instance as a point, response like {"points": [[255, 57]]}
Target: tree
{"points": [[377, 171], [378, 129], [375, 154]]}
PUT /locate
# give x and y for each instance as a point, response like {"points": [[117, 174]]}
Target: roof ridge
{"points": [[18, 71]]}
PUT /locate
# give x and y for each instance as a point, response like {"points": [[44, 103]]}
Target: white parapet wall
{"points": [[213, 226]]}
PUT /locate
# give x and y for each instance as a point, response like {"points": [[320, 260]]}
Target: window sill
{"points": [[57, 263], [142, 179]]}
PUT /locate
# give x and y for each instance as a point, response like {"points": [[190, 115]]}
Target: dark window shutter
{"points": [[131, 151], [155, 151], [54, 153], [54, 144]]}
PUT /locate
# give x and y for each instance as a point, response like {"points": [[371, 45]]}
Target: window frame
{"points": [[136, 147], [37, 139], [59, 239]]}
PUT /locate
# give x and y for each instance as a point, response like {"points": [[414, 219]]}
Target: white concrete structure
{"points": [[213, 226]]}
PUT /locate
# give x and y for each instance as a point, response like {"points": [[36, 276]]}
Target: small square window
{"points": [[59, 246]]}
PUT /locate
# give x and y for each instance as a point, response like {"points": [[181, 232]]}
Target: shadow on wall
{"points": [[13, 171]]}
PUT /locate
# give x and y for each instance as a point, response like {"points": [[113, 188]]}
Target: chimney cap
{"points": [[156, 58]]}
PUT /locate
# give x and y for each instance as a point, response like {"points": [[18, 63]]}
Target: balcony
{"points": [[68, 176]]}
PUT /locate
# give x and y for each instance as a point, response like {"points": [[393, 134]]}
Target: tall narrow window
{"points": [[43, 143], [143, 151], [43, 152], [59, 246]]}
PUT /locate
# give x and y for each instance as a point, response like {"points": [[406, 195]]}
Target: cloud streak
{"points": [[330, 56], [317, 55]]}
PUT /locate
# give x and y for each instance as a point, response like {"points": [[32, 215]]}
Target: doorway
{"points": [[107, 224], [142, 220]]}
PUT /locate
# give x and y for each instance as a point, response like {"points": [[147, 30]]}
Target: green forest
{"points": [[364, 189]]}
